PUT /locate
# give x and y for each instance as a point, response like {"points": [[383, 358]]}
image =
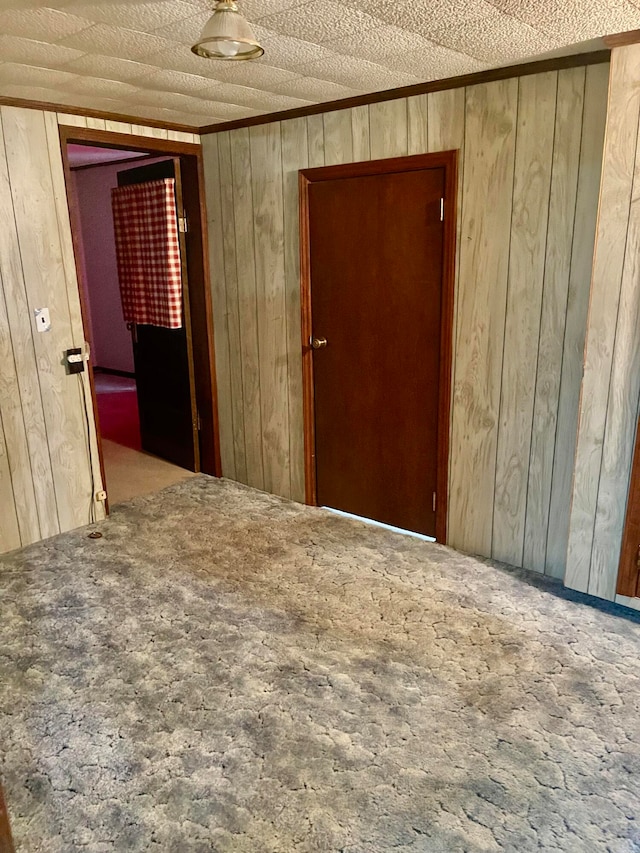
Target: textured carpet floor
{"points": [[226, 671]]}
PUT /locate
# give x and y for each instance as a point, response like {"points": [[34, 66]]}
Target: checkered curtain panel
{"points": [[148, 251]]}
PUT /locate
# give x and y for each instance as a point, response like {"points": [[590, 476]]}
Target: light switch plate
{"points": [[43, 320]]}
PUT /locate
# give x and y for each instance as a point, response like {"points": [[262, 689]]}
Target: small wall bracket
{"points": [[74, 360]]}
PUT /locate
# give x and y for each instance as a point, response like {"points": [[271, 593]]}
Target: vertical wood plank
{"points": [[20, 327], [360, 133], [72, 121], [338, 137], [16, 449], [240, 347], [151, 132], [117, 126], [315, 140], [248, 304], [266, 174], [294, 157], [615, 200], [622, 416], [484, 257], [237, 353], [388, 129], [182, 136], [9, 530], [418, 124], [15, 446], [219, 303], [43, 264], [59, 200], [157, 132], [446, 120], [582, 258], [562, 203], [533, 159]]}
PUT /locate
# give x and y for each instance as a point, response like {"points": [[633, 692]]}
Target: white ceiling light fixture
{"points": [[227, 35]]}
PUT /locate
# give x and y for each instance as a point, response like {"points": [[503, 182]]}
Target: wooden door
{"points": [[163, 358], [376, 260], [629, 571]]}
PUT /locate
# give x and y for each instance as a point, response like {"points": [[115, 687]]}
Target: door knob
{"points": [[318, 343]]}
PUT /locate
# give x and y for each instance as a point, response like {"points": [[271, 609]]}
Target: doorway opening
{"points": [[377, 283], [152, 375]]}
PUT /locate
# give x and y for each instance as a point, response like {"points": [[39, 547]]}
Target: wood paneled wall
{"points": [[47, 436], [610, 400], [530, 151], [44, 457]]}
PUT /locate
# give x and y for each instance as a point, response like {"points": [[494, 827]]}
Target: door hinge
{"points": [[183, 226], [434, 501], [441, 210], [198, 422]]}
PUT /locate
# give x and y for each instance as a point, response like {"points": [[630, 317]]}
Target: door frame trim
{"points": [[628, 582], [6, 841], [149, 145], [448, 160]]}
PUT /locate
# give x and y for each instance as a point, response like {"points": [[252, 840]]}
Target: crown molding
{"points": [[26, 104], [622, 39]]}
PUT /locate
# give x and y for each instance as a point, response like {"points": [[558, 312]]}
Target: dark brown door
{"points": [[629, 572], [376, 266], [163, 359]]}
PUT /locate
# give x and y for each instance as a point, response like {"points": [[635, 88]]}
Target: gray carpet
{"points": [[227, 671]]}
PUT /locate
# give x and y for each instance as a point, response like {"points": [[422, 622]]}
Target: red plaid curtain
{"points": [[148, 251]]}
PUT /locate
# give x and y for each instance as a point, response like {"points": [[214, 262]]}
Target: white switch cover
{"points": [[43, 320]]}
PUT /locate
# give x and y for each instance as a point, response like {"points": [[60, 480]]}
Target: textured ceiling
{"points": [[133, 56]]}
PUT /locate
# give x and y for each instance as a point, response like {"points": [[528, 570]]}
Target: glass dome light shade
{"points": [[227, 35]]}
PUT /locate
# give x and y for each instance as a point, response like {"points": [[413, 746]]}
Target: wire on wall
{"points": [[83, 391]]}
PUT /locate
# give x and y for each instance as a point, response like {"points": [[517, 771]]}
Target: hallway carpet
{"points": [[227, 671], [130, 473]]}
